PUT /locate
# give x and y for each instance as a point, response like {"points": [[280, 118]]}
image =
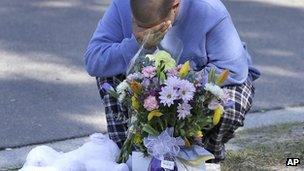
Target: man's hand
{"points": [[152, 36]]}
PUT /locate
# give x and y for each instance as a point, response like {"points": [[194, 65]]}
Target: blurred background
{"points": [[46, 94]]}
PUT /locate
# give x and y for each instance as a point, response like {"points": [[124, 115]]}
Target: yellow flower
{"points": [[217, 114], [135, 103], [183, 72], [136, 87], [163, 56], [137, 139], [222, 78], [154, 113], [199, 134]]}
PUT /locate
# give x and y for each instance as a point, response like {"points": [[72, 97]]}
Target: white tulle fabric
{"points": [[99, 154]]}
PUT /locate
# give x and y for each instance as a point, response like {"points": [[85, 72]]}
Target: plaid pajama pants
{"points": [[116, 114], [214, 140]]}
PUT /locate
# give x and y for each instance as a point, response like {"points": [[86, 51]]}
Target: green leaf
{"points": [[149, 129], [113, 94], [126, 150], [162, 77], [181, 125], [211, 76], [182, 132]]}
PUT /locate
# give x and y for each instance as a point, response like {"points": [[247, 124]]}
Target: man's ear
{"points": [[176, 2]]}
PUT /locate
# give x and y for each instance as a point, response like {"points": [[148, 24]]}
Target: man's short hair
{"points": [[149, 11]]}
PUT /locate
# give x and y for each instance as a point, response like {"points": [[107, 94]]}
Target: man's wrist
{"points": [[150, 48], [149, 51]]}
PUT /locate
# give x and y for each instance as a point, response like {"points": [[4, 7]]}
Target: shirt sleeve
{"points": [[109, 52], [225, 51]]}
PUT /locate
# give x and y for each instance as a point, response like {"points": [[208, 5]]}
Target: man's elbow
{"points": [[91, 65], [92, 72]]}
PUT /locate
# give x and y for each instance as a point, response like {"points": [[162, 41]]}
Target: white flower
{"points": [[215, 90], [121, 90], [123, 86], [122, 96]]}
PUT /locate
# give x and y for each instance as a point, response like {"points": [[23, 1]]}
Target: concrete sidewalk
{"points": [[14, 158]]}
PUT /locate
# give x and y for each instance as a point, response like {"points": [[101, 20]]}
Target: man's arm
{"points": [[109, 52], [225, 51]]}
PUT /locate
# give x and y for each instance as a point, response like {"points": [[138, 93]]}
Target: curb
{"points": [[287, 115], [12, 159]]}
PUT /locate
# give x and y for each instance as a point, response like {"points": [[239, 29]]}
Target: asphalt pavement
{"points": [[46, 95]]}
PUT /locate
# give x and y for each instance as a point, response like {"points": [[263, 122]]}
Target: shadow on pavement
{"points": [[45, 92]]}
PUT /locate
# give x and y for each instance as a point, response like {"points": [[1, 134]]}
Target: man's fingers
{"points": [[163, 31], [157, 37], [161, 35], [166, 27], [157, 28], [155, 34]]}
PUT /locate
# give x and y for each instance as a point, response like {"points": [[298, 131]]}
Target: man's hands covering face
{"points": [[151, 36]]}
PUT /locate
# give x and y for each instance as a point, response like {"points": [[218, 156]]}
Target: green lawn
{"points": [[266, 148]]}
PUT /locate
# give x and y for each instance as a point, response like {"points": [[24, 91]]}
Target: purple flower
{"points": [[153, 92], [167, 95], [183, 110], [146, 83], [107, 87], [227, 99], [150, 103], [172, 72], [186, 90], [149, 71], [173, 82]]}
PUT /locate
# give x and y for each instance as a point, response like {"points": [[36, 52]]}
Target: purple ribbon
{"points": [[164, 144]]}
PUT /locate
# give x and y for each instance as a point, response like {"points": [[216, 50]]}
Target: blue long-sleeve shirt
{"points": [[204, 27]]}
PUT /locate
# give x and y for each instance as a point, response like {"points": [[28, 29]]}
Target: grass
{"points": [[266, 148]]}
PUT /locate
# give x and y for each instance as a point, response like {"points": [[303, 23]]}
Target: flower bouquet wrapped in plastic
{"points": [[171, 107]]}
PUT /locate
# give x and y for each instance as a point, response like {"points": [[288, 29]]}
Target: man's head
{"points": [[148, 13]]}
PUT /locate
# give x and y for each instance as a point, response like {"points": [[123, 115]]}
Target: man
{"points": [[209, 40]]}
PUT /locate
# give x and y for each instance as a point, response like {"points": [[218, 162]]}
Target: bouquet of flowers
{"points": [[171, 107]]}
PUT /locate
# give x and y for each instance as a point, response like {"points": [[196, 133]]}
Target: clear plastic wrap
{"points": [[171, 44]]}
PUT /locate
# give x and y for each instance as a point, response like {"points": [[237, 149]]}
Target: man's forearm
{"points": [[103, 59]]}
